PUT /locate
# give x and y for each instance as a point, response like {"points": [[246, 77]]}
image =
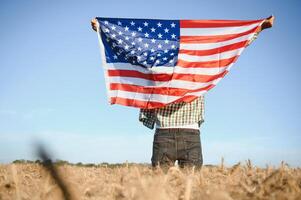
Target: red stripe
{"points": [[215, 23], [166, 77], [136, 103], [187, 99], [207, 64], [213, 38], [156, 90], [215, 50], [147, 104]]}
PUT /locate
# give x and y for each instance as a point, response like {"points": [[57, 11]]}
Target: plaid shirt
{"points": [[176, 114]]}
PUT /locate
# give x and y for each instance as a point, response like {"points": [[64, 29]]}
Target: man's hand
{"points": [[268, 23], [94, 24]]}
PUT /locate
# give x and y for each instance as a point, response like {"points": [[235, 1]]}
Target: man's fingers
{"points": [[270, 20], [94, 24], [268, 23], [270, 17]]}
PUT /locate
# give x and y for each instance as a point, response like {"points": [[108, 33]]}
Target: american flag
{"points": [[150, 63]]}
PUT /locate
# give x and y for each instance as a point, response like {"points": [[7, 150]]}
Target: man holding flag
{"points": [[164, 67]]}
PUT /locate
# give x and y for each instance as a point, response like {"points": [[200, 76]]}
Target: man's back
{"points": [[177, 135]]}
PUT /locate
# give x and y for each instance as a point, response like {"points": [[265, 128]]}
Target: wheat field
{"points": [[139, 181]]}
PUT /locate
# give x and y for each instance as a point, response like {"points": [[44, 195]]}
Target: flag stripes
{"points": [[207, 51]]}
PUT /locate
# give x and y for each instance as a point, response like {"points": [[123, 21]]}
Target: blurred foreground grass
{"points": [[29, 180]]}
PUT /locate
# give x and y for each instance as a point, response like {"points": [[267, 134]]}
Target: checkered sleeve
{"points": [[147, 117], [202, 117]]}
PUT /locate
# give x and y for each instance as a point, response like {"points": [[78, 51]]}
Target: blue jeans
{"points": [[179, 144]]}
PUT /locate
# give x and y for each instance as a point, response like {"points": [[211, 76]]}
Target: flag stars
{"points": [[149, 43], [120, 41]]}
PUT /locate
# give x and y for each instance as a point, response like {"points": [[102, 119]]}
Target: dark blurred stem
{"points": [[47, 163]]}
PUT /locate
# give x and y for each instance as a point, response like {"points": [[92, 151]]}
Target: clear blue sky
{"points": [[52, 86]]}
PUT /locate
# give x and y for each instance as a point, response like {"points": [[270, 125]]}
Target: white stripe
{"points": [[207, 46], [150, 97], [103, 58], [215, 31], [128, 66], [166, 70], [200, 71], [143, 97], [219, 56], [173, 83]]}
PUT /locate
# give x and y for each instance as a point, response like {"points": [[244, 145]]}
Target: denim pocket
{"points": [[161, 151], [193, 148]]}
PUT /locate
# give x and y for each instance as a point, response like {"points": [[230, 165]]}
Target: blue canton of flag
{"points": [[147, 43]]}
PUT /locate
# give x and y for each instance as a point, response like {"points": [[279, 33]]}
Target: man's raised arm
{"points": [[268, 23]]}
